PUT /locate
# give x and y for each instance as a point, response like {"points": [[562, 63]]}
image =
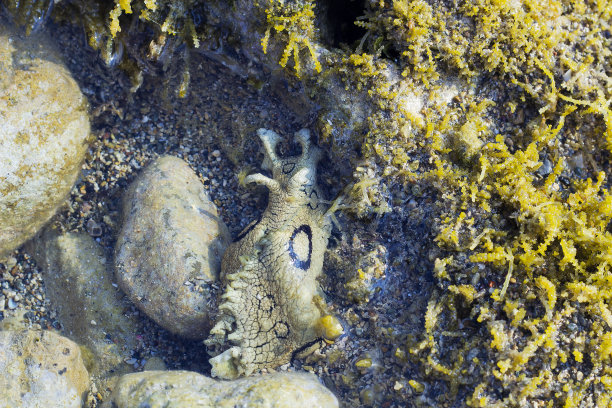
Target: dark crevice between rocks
{"points": [[336, 21]]}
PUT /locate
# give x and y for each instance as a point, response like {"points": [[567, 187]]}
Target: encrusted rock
{"points": [[92, 311], [44, 130], [169, 250], [41, 369], [270, 308], [174, 389]]}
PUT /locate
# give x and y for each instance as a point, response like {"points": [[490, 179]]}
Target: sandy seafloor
{"points": [[213, 129]]}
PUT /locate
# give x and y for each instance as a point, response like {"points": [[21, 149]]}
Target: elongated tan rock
{"points": [[185, 389], [90, 307], [168, 253]]}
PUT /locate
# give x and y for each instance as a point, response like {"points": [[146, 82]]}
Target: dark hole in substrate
{"points": [[338, 21]]}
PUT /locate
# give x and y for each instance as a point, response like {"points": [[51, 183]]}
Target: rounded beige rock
{"points": [[171, 389], [41, 369], [168, 253], [43, 136]]}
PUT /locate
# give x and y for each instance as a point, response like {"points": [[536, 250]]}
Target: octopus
{"points": [[270, 308]]}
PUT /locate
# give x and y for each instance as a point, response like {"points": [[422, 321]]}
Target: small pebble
{"points": [[93, 228], [11, 262]]}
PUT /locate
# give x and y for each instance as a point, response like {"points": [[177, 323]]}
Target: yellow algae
{"points": [[467, 291], [416, 386], [125, 5], [500, 337], [293, 22], [151, 4], [330, 327], [114, 15], [440, 267], [549, 294], [364, 363], [559, 248]]}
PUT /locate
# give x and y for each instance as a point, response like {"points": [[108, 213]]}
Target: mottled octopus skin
{"points": [[267, 311]]}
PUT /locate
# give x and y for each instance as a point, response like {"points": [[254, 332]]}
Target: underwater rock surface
{"points": [[43, 136], [170, 246], [92, 311], [45, 370], [171, 389]]}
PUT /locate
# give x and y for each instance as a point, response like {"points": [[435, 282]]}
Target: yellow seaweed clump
{"points": [[522, 184], [500, 37], [555, 258], [293, 22]]}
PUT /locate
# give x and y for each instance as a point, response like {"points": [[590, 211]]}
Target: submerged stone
{"points": [[41, 369], [187, 389], [43, 136], [91, 309], [168, 253]]}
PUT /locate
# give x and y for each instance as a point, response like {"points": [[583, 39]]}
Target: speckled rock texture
{"points": [[41, 369], [43, 136], [93, 312], [169, 250], [269, 308], [186, 389]]}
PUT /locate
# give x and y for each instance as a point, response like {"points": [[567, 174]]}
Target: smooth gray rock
{"points": [[169, 250]]}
